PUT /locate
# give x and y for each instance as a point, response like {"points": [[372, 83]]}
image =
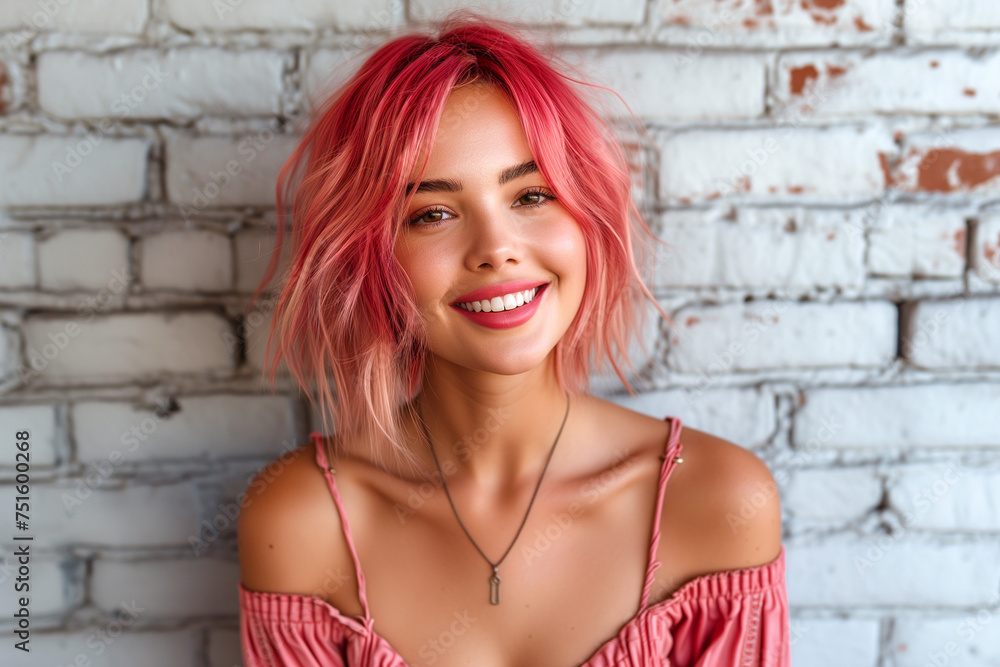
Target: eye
{"points": [[428, 218], [535, 197]]}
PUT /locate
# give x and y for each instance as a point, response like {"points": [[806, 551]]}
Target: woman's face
{"points": [[483, 227]]}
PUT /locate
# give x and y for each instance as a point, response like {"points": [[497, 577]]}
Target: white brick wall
{"points": [[824, 174]]}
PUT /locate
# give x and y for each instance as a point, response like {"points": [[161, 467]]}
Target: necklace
{"points": [[495, 577]]}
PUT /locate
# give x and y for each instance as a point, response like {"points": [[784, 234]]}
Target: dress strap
{"points": [[670, 460], [328, 472]]}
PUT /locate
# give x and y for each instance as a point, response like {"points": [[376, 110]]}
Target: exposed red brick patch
{"points": [[969, 92], [934, 64], [831, 236], [750, 23], [763, 7], [883, 161], [833, 71], [679, 20], [800, 78], [795, 189], [860, 24], [959, 240], [691, 320], [991, 253], [970, 169], [3, 85], [821, 11], [897, 135]]}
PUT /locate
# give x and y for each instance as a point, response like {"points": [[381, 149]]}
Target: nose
{"points": [[493, 240]]}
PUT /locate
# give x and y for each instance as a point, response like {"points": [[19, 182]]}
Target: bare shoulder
{"points": [[289, 534], [722, 504]]}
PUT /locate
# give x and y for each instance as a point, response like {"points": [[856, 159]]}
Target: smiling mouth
{"points": [[506, 302]]}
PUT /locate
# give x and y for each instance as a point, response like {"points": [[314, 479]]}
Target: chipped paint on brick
{"points": [[959, 239], [952, 170], [799, 78], [969, 92], [4, 80], [991, 253], [860, 24], [691, 321], [883, 161], [822, 11]]}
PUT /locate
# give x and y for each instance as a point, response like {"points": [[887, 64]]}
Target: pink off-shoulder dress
{"points": [[735, 618]]}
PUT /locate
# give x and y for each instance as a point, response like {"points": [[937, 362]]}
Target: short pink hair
{"points": [[346, 308]]}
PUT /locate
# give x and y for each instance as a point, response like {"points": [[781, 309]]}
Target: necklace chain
{"points": [[495, 576]]}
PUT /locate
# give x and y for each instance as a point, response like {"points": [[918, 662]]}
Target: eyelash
{"points": [[546, 197]]}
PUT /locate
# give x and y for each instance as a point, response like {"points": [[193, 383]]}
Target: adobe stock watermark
{"points": [[130, 440], [228, 513], [463, 449], [923, 500], [561, 522], [249, 148], [122, 108], [39, 358], [431, 650]]}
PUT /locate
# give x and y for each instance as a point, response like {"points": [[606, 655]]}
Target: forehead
{"points": [[479, 131]]}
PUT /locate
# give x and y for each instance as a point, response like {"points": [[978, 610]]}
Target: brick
{"points": [[944, 22], [113, 643], [40, 422], [213, 427], [947, 496], [324, 70], [844, 494], [175, 587], [28, 17], [831, 642], [228, 15], [958, 333], [703, 25], [769, 334], [47, 586], [126, 345], [880, 570], [917, 242], [178, 85], [956, 161], [985, 249], [91, 510], [841, 163], [187, 260], [742, 416], [927, 415], [545, 12], [17, 260], [72, 170], [649, 82], [804, 249], [224, 648], [254, 249], [209, 171], [968, 638], [82, 259], [836, 83]]}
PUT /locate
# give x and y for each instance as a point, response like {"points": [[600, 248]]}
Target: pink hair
{"points": [[346, 307]]}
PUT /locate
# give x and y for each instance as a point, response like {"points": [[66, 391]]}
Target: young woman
{"points": [[462, 259]]}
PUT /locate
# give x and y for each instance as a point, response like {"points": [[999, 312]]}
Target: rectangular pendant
{"points": [[494, 589]]}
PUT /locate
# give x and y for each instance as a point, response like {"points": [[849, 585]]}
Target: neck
{"points": [[494, 432]]}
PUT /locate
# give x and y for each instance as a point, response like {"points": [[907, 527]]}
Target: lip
{"points": [[507, 318], [491, 291]]}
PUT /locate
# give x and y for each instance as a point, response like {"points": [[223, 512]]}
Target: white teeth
{"points": [[500, 303]]}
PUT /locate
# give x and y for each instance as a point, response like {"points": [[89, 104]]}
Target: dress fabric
{"points": [[733, 618]]}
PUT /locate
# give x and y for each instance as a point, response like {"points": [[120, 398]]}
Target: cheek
{"points": [[424, 269]]}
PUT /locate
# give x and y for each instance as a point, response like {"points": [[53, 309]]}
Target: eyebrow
{"points": [[451, 185]]}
